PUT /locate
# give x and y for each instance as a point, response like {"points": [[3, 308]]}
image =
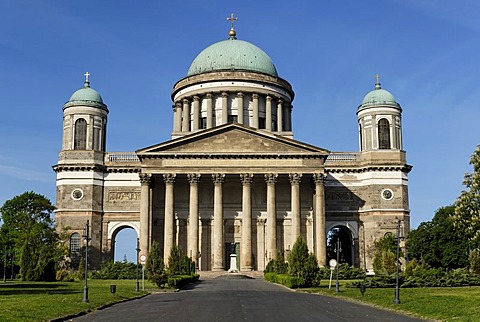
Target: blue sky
{"points": [[426, 52]]}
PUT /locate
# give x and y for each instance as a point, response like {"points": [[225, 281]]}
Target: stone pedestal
{"points": [[233, 264]]}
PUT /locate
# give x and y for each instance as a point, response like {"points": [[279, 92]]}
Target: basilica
{"points": [[232, 179]]}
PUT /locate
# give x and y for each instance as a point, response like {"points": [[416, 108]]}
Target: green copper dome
{"points": [[232, 54], [86, 96], [378, 96]]}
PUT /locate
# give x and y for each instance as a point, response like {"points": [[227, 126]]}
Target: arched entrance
{"points": [[346, 254], [124, 244]]}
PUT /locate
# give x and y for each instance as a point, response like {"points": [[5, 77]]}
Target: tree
{"points": [[28, 225], [384, 259], [467, 205], [438, 243], [302, 264], [155, 266]]}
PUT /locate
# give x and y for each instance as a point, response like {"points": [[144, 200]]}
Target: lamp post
{"points": [[338, 249], [86, 235], [397, 288], [136, 269]]}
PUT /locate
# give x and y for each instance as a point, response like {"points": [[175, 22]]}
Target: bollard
{"points": [[113, 289], [362, 289]]}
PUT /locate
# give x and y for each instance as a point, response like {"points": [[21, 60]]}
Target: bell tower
{"points": [[80, 169]]}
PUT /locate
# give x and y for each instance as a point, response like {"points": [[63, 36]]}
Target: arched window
{"points": [[383, 134], [75, 239], [80, 140]]}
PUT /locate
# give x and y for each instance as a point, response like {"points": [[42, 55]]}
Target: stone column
{"points": [[196, 112], [295, 179], [268, 114], [271, 179], [246, 243], [145, 180], [240, 108], [224, 108], [280, 115], [186, 116], [193, 179], [89, 143], [255, 110], [260, 244], [319, 219], [209, 111], [177, 126], [218, 246], [169, 237], [288, 116]]}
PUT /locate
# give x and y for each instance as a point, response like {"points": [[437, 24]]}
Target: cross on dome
{"points": [[232, 34], [87, 82], [377, 84]]}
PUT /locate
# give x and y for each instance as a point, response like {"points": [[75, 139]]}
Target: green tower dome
{"points": [[378, 96], [86, 96], [232, 54]]}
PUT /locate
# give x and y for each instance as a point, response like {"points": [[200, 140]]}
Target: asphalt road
{"points": [[223, 299]]}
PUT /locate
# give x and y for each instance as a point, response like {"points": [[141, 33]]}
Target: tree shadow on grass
{"points": [[36, 288]]}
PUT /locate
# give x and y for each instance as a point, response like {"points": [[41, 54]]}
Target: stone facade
{"points": [[233, 174]]}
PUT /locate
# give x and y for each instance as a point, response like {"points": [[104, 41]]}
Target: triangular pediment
{"points": [[231, 139]]}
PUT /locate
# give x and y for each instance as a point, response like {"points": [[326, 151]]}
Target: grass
{"points": [[38, 301], [442, 303]]}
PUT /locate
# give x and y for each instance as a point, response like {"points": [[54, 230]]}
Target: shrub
{"points": [[116, 271], [179, 281], [303, 265], [284, 279], [474, 260], [277, 265], [155, 267]]}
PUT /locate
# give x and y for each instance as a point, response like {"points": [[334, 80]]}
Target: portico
{"points": [[220, 192]]}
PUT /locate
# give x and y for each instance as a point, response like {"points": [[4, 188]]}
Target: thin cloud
{"points": [[24, 174]]}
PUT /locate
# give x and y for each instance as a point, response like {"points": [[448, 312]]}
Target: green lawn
{"points": [[446, 304], [37, 301]]}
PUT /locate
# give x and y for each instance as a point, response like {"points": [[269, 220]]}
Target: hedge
{"points": [[178, 281], [284, 279]]}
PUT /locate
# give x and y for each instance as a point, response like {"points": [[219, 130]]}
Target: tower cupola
{"points": [[84, 120], [379, 121]]}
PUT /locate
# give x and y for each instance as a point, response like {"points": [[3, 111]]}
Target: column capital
{"points": [[280, 101], [209, 95], [186, 101], [193, 178], [178, 104], [169, 178], [269, 98], [319, 178], [246, 178], [196, 98], [218, 178], [145, 178], [271, 178], [240, 94], [295, 178], [224, 94], [255, 96]]}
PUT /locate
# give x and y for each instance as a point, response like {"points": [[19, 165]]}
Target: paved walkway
{"points": [[234, 298]]}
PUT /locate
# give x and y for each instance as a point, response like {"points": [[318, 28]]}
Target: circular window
{"points": [[77, 194], [387, 194]]}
